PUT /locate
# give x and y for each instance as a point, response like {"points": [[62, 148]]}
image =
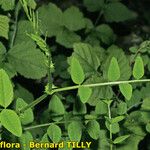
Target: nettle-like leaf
{"points": [[121, 139], [138, 69], [113, 70], [56, 108], [24, 27], [117, 12], [93, 5], [88, 56], [10, 120], [123, 62], [114, 127], [98, 92], [75, 131], [93, 129], [50, 19], [67, 38], [126, 90], [121, 108], [106, 34], [73, 19], [21, 92], [4, 26], [101, 108], [54, 132], [25, 139], [77, 73], [84, 93], [6, 89], [7, 5], [26, 117], [27, 60]]}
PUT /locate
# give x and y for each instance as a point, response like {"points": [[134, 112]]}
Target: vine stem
{"points": [[96, 85], [34, 103], [41, 98], [110, 128]]}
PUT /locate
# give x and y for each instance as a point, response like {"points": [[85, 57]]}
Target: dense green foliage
{"points": [[87, 65]]}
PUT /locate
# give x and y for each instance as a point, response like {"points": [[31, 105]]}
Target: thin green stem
{"points": [[110, 128], [96, 85], [15, 25], [38, 100], [34, 103]]}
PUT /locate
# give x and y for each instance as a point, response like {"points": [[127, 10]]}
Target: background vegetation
{"points": [[101, 46]]}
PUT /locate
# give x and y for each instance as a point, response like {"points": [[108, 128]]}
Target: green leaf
{"points": [[101, 108], [117, 119], [56, 108], [67, 38], [117, 12], [93, 129], [84, 93], [27, 60], [77, 73], [93, 5], [6, 89], [54, 132], [148, 127], [138, 69], [25, 139], [73, 19], [123, 61], [126, 90], [146, 104], [121, 108], [26, 117], [79, 108], [31, 4], [88, 56], [21, 92], [98, 93], [75, 131], [114, 127], [7, 4], [50, 19], [23, 27], [10, 120], [121, 139], [4, 26], [114, 70], [105, 34]]}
